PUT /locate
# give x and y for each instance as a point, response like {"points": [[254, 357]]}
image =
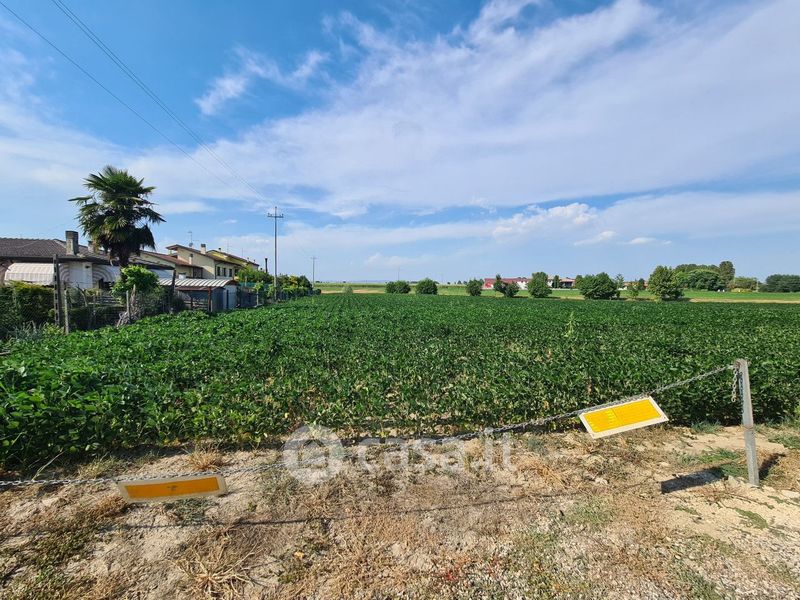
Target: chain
{"points": [[488, 431]]}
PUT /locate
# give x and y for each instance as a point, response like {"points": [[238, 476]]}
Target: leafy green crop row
{"points": [[366, 362]]}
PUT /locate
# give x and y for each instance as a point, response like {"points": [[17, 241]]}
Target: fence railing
{"points": [[26, 310]]}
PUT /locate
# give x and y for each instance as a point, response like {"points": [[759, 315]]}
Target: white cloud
{"points": [[642, 241], [254, 66], [182, 208], [600, 238]]}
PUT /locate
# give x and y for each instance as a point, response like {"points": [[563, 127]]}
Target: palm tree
{"points": [[116, 214]]}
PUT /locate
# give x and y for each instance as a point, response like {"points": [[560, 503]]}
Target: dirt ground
{"points": [[658, 513]]}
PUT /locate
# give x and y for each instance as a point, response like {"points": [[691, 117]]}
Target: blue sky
{"points": [[448, 139]]}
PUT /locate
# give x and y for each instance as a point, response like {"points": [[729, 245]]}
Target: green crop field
{"points": [[691, 295], [361, 363]]}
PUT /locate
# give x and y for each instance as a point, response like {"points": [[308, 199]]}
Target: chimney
{"points": [[202, 248], [72, 243]]}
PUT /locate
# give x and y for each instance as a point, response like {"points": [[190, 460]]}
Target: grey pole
{"points": [[313, 272], [275, 216], [747, 421]]}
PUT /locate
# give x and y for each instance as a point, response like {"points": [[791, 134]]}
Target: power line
{"points": [[87, 31], [110, 93]]}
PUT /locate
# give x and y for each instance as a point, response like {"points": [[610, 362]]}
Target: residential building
{"points": [[243, 263], [215, 264], [31, 260], [183, 268]]}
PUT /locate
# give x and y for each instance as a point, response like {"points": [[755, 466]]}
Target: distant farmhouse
{"points": [[564, 282], [32, 261]]}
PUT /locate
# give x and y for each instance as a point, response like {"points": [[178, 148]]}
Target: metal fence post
{"points": [[742, 367]]}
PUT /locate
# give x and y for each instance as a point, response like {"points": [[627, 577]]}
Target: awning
{"points": [[39, 273]]}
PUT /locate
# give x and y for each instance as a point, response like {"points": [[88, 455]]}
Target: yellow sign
{"points": [[604, 421], [172, 488]]}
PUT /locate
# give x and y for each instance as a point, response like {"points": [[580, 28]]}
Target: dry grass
{"points": [[217, 562], [206, 457]]}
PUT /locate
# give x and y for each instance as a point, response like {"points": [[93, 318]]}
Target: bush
{"points": [[598, 287], [509, 290], [24, 304], [537, 285], [474, 287], [664, 284], [398, 287], [427, 286], [348, 289], [132, 277]]}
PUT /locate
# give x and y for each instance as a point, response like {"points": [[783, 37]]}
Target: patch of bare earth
{"points": [[661, 513]]}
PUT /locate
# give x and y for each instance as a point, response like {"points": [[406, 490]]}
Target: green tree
{"points": [[474, 287], [398, 287], [251, 275], [116, 214], [641, 285], [537, 285], [427, 286], [664, 285], [578, 280], [619, 281], [556, 282], [782, 283], [143, 280], [726, 273], [598, 287], [744, 283], [703, 279]]}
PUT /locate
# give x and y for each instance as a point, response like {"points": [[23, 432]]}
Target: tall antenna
{"points": [[275, 216], [191, 240]]}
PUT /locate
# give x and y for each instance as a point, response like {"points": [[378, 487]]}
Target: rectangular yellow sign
{"points": [[172, 488], [604, 421]]}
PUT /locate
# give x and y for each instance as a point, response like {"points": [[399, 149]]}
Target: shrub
{"points": [[664, 284], [132, 277], [427, 286], [474, 287], [598, 287], [537, 285], [348, 289], [509, 290], [398, 287]]}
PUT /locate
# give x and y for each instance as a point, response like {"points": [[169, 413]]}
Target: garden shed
{"points": [[213, 295]]}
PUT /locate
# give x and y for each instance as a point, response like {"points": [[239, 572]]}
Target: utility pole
{"points": [[313, 272], [275, 216]]}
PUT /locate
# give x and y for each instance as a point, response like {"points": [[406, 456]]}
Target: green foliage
{"points": [[347, 289], [116, 214], [398, 287], [727, 272], [426, 286], [144, 280], [537, 285], [747, 284], [556, 281], [24, 305], [363, 361], [598, 287], [474, 287], [509, 290], [703, 279], [251, 275], [782, 283], [664, 284]]}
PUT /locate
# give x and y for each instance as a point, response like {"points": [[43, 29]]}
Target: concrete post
{"points": [[747, 421]]}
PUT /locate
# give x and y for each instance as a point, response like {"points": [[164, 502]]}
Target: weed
{"points": [[593, 512], [705, 427], [752, 519], [188, 511], [787, 440]]}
